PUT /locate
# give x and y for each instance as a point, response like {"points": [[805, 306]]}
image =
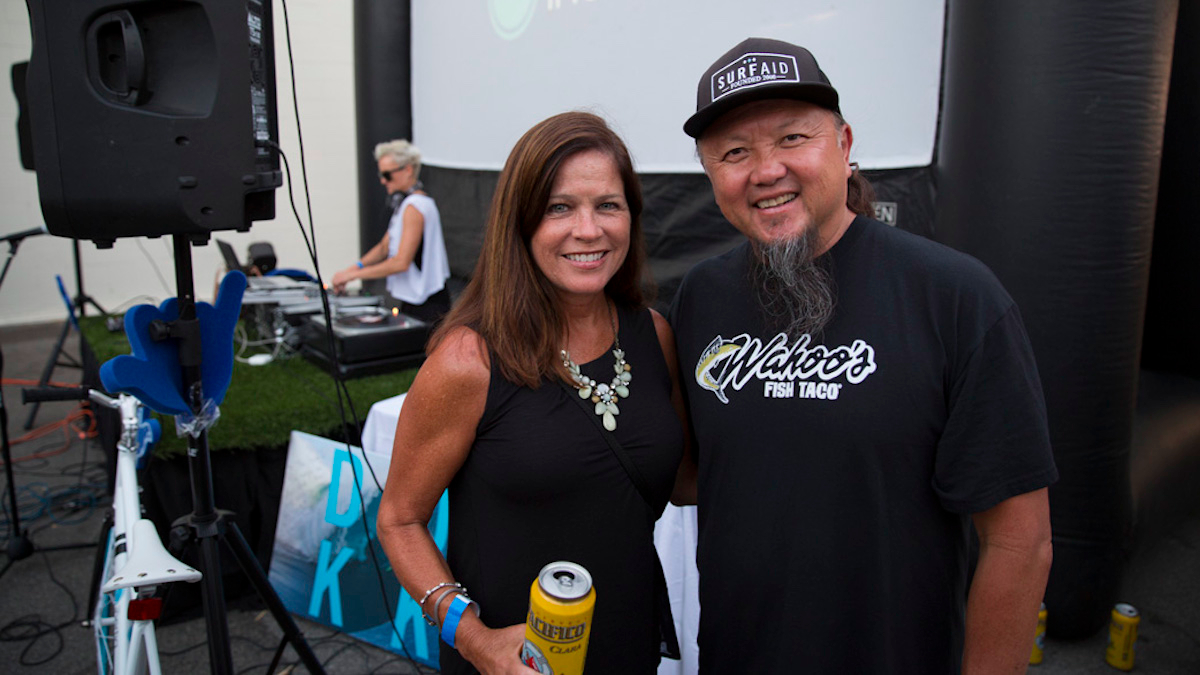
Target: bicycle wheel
{"points": [[104, 620]]}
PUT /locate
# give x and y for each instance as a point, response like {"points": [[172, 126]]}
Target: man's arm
{"points": [[1010, 580]]}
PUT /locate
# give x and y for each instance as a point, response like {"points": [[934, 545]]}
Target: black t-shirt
{"points": [[541, 484], [837, 474]]}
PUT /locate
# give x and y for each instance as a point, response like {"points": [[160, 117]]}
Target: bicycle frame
{"points": [[134, 560]]}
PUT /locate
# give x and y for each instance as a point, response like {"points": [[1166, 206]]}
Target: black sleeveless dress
{"points": [[540, 485]]}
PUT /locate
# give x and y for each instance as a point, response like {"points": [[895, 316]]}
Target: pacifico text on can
{"points": [[561, 602]]}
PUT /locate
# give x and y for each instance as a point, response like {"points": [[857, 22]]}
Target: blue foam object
{"points": [[152, 372], [291, 274]]}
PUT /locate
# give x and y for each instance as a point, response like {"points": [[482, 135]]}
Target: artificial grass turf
{"points": [[265, 403]]}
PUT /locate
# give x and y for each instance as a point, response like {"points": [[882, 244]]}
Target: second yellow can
{"points": [[1039, 638], [1122, 634]]}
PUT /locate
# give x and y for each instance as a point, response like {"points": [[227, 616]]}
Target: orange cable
{"points": [[81, 412], [10, 382]]}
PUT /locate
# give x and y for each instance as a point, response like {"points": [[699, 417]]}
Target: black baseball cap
{"points": [[757, 69]]}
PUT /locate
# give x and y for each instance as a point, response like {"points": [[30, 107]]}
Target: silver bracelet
{"points": [[430, 591], [431, 617]]}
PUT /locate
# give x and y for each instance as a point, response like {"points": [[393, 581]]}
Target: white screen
{"points": [[486, 71]]}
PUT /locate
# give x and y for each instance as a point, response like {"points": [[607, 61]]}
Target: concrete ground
{"points": [[44, 597]]}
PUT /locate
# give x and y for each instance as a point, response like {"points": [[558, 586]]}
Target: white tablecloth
{"points": [[674, 535]]}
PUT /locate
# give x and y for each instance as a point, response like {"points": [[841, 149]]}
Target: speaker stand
{"points": [[206, 527]]}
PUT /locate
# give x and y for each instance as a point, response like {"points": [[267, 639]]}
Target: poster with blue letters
{"points": [[327, 564]]}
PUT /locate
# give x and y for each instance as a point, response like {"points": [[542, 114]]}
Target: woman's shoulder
{"points": [[420, 200], [460, 358]]}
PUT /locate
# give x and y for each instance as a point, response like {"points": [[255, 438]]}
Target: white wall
{"points": [[322, 40]]}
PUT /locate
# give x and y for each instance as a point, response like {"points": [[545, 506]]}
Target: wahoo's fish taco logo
{"points": [[752, 70], [806, 370]]}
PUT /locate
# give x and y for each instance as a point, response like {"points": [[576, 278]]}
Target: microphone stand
{"points": [[14, 242]]}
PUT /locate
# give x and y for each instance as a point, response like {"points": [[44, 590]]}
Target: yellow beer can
{"points": [[561, 602], [1039, 637], [1122, 634]]}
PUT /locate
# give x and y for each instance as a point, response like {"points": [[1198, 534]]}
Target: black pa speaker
{"points": [[152, 117]]}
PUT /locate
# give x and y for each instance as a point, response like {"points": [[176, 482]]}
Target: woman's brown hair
{"points": [[508, 300]]}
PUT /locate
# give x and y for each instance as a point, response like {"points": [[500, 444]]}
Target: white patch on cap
{"points": [[753, 70]]}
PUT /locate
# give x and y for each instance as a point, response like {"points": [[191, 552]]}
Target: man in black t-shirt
{"points": [[859, 398]]}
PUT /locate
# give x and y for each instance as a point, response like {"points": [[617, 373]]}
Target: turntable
{"points": [[366, 341]]}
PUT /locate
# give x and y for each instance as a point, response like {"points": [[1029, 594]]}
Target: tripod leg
{"points": [[245, 557], [212, 597], [48, 370]]}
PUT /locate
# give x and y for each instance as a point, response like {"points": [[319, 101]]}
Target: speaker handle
{"points": [[117, 68]]}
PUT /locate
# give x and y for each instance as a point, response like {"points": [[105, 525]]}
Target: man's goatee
{"points": [[795, 292]]}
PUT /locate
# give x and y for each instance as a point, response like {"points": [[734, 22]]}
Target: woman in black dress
{"points": [[556, 298]]}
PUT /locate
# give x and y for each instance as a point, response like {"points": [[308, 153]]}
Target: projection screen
{"points": [[484, 72]]}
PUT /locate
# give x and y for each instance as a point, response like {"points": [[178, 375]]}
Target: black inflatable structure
{"points": [[382, 100], [1047, 168], [1057, 120]]}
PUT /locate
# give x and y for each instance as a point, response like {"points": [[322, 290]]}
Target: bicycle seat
{"points": [[152, 371], [148, 563]]}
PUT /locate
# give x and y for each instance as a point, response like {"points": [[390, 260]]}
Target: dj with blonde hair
{"points": [[412, 253]]}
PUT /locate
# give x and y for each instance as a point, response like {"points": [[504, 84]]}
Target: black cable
{"points": [[341, 647], [333, 633], [30, 628], [310, 245], [342, 391], [35, 506], [70, 595], [154, 265], [347, 646], [410, 667], [287, 34], [257, 645], [8, 520], [309, 384], [93, 476], [180, 652], [250, 669], [340, 386], [33, 629], [311, 224], [40, 500]]}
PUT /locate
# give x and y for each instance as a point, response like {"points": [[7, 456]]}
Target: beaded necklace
{"points": [[605, 396]]}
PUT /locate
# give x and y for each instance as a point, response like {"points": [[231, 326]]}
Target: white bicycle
{"points": [[133, 564]]}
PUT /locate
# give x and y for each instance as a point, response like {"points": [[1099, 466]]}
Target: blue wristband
{"points": [[359, 263], [457, 606]]}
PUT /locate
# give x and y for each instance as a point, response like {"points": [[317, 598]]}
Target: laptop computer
{"points": [[254, 280]]}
